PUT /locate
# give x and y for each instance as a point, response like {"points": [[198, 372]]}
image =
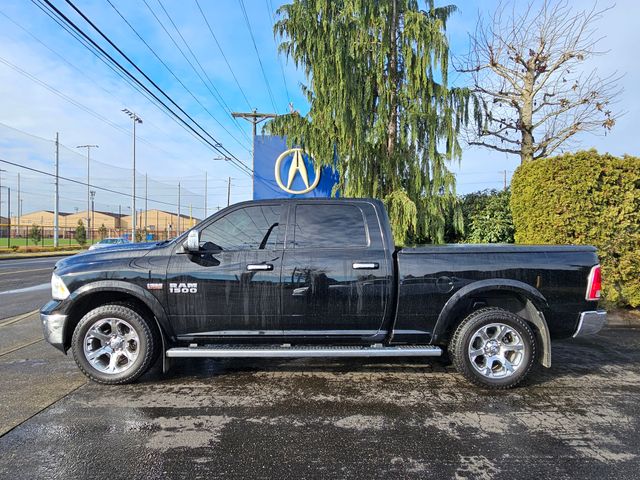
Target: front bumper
{"points": [[590, 323], [53, 326]]}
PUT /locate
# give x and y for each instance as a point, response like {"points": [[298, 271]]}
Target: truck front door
{"points": [[336, 272], [231, 287]]}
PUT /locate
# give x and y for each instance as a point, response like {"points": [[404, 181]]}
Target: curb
{"points": [[621, 318], [18, 256]]}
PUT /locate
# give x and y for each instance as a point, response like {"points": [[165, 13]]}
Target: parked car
{"points": [[319, 278], [108, 242]]}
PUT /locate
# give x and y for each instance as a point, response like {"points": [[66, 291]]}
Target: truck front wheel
{"points": [[113, 344], [493, 348]]}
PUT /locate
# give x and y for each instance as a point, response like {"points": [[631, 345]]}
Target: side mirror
{"points": [[192, 243]]}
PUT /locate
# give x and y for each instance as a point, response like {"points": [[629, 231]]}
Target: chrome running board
{"points": [[285, 351]]}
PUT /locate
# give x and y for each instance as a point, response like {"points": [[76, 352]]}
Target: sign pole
{"points": [[254, 118]]}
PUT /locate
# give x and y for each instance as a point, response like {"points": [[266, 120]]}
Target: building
{"points": [[111, 221], [42, 218], [20, 227], [3, 226], [160, 223]]}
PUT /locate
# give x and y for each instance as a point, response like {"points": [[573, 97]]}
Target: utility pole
{"points": [[8, 216], [19, 202], [136, 119], [56, 212], [1, 170], [505, 180], [146, 198], [179, 216], [254, 118], [205, 195], [229, 192], [88, 147], [93, 211]]}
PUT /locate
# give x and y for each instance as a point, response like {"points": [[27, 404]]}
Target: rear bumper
{"points": [[590, 323]]}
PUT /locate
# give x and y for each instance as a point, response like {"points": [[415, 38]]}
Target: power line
{"points": [[174, 75], [105, 60], [79, 182], [284, 77], [212, 142], [217, 145], [222, 53], [105, 189], [60, 94], [255, 47], [214, 93]]}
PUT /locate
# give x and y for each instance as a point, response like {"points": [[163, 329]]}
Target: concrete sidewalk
{"points": [[33, 375]]}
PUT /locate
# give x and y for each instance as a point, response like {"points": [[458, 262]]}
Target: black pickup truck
{"points": [[319, 278]]}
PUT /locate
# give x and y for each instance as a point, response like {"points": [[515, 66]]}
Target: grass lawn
{"points": [[46, 242]]}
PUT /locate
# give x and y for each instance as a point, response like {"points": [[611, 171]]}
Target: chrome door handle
{"points": [[259, 266], [365, 266]]}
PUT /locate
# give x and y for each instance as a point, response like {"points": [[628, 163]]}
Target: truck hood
{"points": [[128, 250]]}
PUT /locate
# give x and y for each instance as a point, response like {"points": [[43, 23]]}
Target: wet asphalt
{"points": [[322, 418], [25, 284]]}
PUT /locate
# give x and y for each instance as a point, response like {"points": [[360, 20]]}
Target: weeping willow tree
{"points": [[377, 89]]}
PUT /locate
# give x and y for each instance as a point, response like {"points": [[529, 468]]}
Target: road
{"points": [[317, 418], [24, 284]]}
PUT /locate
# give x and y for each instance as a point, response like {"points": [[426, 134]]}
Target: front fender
{"points": [[131, 289]]}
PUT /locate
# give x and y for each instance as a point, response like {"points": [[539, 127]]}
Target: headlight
{"points": [[59, 290]]}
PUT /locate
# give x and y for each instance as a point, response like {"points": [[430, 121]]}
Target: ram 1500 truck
{"points": [[319, 278]]}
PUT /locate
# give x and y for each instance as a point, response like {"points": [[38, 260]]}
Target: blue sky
{"points": [[166, 152]]}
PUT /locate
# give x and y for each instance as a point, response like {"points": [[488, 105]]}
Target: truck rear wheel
{"points": [[493, 348], [113, 344]]}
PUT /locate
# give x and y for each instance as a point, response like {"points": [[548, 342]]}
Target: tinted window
{"points": [[249, 228], [329, 226]]}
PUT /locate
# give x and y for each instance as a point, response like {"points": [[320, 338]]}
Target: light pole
{"points": [[1, 170], [136, 119], [93, 196], [88, 147]]}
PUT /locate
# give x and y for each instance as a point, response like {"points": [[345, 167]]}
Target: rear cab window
{"points": [[328, 225]]}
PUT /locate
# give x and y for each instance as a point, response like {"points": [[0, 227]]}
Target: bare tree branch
{"points": [[527, 70]]}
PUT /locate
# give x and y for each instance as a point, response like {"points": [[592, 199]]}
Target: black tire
{"points": [[496, 371], [142, 344]]}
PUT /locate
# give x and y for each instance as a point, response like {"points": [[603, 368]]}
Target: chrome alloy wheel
{"points": [[496, 350], [111, 345]]}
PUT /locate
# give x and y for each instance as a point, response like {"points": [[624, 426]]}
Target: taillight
{"points": [[594, 285]]}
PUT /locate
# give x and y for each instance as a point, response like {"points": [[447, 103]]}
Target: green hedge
{"points": [[585, 198]]}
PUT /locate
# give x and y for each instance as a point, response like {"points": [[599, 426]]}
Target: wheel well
{"points": [[97, 299], [510, 301]]}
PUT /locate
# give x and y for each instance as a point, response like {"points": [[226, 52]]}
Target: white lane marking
{"points": [[26, 271], [35, 288]]}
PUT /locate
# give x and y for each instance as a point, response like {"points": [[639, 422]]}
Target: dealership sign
{"points": [[282, 172]]}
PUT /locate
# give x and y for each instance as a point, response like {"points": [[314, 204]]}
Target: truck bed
{"points": [[431, 276]]}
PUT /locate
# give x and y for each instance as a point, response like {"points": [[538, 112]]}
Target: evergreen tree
{"points": [[81, 233], [35, 234], [379, 101], [102, 231]]}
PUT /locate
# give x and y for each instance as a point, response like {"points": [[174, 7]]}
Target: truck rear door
{"points": [[336, 274]]}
